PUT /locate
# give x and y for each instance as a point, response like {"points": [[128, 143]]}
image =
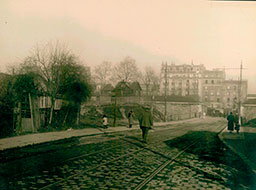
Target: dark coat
{"points": [[145, 119], [231, 121]]}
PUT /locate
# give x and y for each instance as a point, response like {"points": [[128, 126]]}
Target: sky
{"points": [[218, 34]]}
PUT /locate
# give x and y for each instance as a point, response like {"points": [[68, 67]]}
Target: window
{"points": [[212, 81], [205, 98], [25, 107], [211, 93], [218, 100], [228, 99], [206, 81]]}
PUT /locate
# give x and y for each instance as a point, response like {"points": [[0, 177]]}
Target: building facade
{"points": [[231, 94], [211, 86], [181, 80]]}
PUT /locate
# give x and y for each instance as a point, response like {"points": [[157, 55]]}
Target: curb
{"points": [[30, 149], [242, 156]]}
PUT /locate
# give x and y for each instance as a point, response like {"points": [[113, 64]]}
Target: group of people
{"points": [[233, 121], [145, 122]]}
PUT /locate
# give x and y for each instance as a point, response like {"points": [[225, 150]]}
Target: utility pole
{"points": [[240, 94], [165, 91], [115, 108]]}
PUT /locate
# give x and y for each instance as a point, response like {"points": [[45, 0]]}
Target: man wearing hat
{"points": [[145, 121]]}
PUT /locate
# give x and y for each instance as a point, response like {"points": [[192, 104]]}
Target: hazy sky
{"points": [[216, 34]]}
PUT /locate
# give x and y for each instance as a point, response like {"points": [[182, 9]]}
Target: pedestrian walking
{"points": [[105, 122], [145, 122], [231, 121], [237, 125], [130, 119]]}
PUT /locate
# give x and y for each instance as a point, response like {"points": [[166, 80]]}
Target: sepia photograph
{"points": [[127, 94]]}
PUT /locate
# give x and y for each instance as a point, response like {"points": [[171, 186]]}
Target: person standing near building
{"points": [[130, 119], [105, 122], [231, 121], [145, 122]]}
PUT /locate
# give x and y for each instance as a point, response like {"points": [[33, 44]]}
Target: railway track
{"points": [[170, 161], [134, 145], [141, 148]]}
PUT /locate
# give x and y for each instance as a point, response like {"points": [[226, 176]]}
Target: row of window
{"points": [[182, 69], [216, 75], [218, 93], [206, 99], [212, 81]]}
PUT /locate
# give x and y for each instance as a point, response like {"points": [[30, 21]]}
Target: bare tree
{"points": [[126, 70], [102, 73], [150, 80], [46, 61]]}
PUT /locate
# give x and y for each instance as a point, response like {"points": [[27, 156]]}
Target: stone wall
{"points": [[179, 110], [248, 111]]}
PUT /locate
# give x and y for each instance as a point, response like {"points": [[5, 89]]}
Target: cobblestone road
{"points": [[121, 161]]}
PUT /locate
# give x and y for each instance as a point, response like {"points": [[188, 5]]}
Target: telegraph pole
{"points": [[240, 93], [165, 91]]}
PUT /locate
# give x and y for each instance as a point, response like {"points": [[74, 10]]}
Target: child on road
{"points": [[105, 122]]}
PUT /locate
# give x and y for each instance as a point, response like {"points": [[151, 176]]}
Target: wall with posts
{"points": [[179, 110], [248, 111]]}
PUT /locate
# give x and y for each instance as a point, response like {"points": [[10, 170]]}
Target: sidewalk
{"points": [[39, 138], [243, 144]]}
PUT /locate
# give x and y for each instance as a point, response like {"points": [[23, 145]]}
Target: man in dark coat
{"points": [[145, 121], [231, 121], [130, 119]]}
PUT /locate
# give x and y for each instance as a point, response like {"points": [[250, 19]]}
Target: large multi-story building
{"points": [[231, 93], [195, 80], [181, 80], [212, 84]]}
